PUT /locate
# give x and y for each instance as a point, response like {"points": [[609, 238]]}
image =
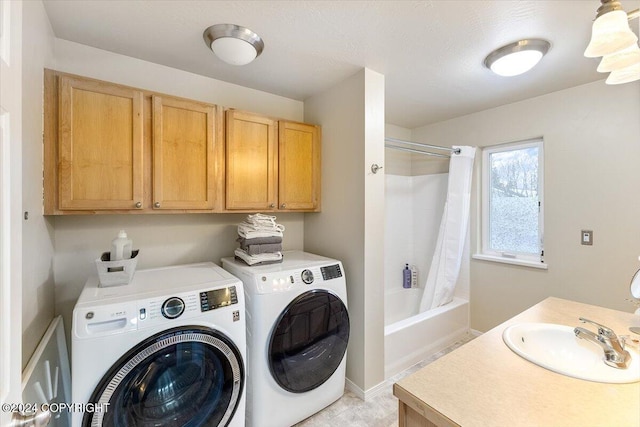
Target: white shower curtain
{"points": [[445, 266]]}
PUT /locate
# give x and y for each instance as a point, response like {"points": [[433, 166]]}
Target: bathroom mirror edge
{"points": [[635, 285]]}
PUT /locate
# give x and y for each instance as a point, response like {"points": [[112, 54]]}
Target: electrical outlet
{"points": [[586, 237]]}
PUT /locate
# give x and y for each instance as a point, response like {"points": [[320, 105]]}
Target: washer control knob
{"points": [[172, 308], [307, 277]]}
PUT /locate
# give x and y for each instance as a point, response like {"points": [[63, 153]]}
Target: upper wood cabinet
{"points": [[270, 164], [110, 148], [115, 149], [298, 166], [100, 146], [184, 157], [252, 161]]}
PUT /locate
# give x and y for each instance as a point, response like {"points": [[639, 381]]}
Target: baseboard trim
{"points": [[369, 394]]}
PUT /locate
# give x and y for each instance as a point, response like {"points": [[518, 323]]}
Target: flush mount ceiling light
{"points": [[233, 44], [516, 58], [612, 39]]}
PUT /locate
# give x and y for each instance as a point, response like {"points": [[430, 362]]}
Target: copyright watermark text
{"points": [[54, 407]]}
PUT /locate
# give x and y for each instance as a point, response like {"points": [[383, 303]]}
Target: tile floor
{"points": [[381, 411]]}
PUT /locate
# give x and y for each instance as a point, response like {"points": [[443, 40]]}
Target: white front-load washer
{"points": [[168, 349], [297, 335]]}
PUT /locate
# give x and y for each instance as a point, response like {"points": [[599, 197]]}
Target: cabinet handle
{"points": [[272, 205], [138, 205], [282, 206], [156, 205]]}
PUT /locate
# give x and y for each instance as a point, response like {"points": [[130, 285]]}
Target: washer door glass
{"points": [[308, 341], [184, 377]]}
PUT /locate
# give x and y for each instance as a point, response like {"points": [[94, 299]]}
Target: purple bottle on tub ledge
{"points": [[406, 277]]}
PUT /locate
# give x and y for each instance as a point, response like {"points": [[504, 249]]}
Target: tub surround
{"points": [[413, 212], [484, 383], [414, 336]]}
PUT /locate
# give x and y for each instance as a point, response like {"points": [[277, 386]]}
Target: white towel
{"points": [[259, 225], [261, 219], [255, 259], [250, 232]]}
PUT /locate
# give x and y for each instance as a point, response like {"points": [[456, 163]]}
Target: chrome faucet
{"points": [[614, 353]]}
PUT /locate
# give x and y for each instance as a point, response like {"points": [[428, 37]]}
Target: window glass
{"points": [[512, 200]]}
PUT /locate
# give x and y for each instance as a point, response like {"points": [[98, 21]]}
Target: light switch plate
{"points": [[586, 237]]}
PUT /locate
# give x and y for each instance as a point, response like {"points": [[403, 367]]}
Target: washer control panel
{"points": [[331, 272], [216, 298]]}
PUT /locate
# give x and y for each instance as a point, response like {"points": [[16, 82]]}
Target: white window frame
{"points": [[518, 258]]}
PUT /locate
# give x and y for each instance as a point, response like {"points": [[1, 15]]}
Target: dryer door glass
{"points": [[187, 376], [308, 341]]}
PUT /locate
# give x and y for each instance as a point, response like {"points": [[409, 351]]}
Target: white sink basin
{"points": [[555, 347]]}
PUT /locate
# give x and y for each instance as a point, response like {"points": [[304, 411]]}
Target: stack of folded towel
{"points": [[260, 239]]}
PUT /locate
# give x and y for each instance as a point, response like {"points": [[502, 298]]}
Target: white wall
{"points": [[350, 226], [37, 231], [592, 152], [162, 239], [374, 229]]}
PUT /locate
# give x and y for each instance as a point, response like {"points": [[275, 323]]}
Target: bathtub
{"points": [[410, 337]]}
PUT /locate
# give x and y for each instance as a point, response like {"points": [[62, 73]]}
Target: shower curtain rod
{"points": [[411, 150], [417, 144]]}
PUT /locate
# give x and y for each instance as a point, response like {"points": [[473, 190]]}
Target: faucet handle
{"points": [[602, 330]]}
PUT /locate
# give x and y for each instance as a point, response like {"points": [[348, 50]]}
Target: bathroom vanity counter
{"points": [[483, 383]]}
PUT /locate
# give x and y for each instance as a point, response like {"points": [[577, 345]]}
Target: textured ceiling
{"points": [[430, 52]]}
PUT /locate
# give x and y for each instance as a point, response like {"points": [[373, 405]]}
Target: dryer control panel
{"points": [[284, 281]]}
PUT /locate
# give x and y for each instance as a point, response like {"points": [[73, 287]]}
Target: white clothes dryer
{"points": [[297, 335], [168, 349]]}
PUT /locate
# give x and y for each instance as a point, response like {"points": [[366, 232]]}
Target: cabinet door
{"points": [[100, 146], [183, 154], [252, 163], [299, 166]]}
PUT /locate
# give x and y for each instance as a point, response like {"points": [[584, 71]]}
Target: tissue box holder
{"points": [[114, 273]]}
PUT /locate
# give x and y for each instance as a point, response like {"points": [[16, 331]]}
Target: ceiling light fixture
{"points": [[612, 38], [618, 60], [516, 58], [624, 75], [233, 44]]}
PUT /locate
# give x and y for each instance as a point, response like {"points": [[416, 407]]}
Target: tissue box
{"points": [[114, 273]]}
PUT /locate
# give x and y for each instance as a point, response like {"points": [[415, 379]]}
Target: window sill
{"points": [[512, 261]]}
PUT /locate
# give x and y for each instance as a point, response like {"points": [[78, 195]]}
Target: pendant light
{"points": [[618, 60], [624, 75], [609, 34], [612, 38]]}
